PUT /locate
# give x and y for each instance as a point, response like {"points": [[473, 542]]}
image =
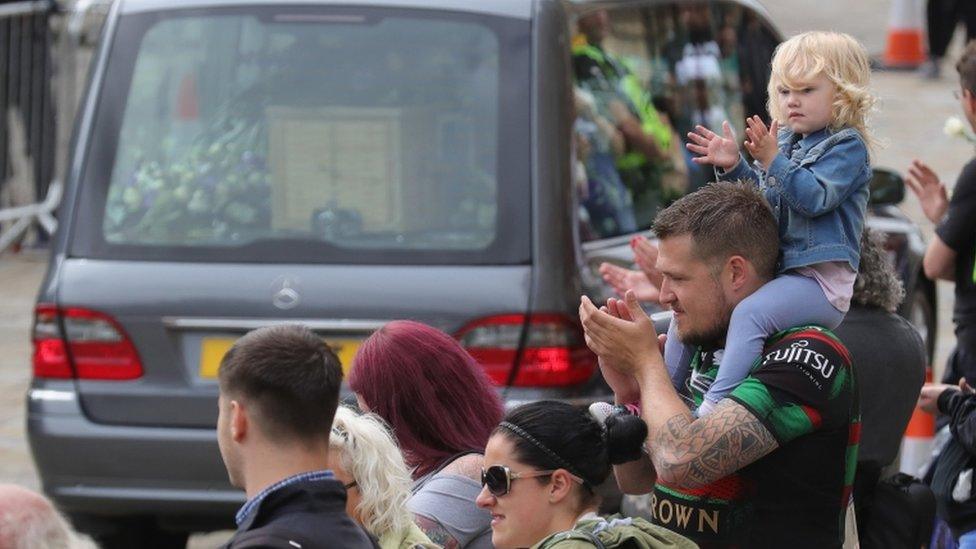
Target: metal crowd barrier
{"points": [[25, 216], [27, 108]]}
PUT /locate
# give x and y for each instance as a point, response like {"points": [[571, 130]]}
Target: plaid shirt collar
{"points": [[252, 504]]}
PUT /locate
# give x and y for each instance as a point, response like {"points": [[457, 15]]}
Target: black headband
{"points": [[535, 442]]}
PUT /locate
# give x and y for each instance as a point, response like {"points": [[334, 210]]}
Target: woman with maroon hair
{"points": [[442, 409]]}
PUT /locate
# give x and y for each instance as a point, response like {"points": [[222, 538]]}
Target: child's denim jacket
{"points": [[817, 187]]}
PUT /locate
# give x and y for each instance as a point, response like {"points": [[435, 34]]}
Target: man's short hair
{"points": [[725, 219], [966, 66], [288, 376]]}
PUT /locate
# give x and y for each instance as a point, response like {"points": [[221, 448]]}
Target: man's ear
{"points": [[239, 421], [970, 101], [560, 485], [736, 272]]}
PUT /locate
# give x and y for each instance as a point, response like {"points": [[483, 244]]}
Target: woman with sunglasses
{"points": [[442, 408], [365, 458], [542, 464]]}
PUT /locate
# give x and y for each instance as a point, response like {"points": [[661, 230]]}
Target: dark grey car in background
{"points": [[238, 163]]}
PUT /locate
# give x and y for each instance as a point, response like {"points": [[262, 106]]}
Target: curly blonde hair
{"points": [[368, 452], [839, 57]]}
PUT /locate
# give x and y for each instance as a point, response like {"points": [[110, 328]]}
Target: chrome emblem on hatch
{"points": [[285, 293]]}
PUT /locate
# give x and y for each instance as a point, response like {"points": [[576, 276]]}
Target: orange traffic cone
{"points": [[905, 48], [916, 446]]}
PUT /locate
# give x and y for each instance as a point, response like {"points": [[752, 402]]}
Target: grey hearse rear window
{"points": [[310, 134]]}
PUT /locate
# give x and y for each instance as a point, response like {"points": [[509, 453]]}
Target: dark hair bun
{"points": [[625, 434], [562, 436]]}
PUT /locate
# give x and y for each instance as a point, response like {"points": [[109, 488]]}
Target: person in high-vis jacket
{"points": [[647, 132]]}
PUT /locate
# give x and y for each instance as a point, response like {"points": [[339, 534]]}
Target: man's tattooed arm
{"points": [[692, 453]]}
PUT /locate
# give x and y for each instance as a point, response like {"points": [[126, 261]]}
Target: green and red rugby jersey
{"points": [[803, 390]]}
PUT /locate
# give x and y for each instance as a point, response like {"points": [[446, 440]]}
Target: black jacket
{"points": [[889, 358], [962, 421], [961, 516], [307, 515]]}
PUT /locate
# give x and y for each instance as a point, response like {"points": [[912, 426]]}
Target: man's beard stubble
{"points": [[713, 336]]}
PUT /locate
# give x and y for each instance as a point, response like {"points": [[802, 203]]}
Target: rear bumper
{"points": [[110, 470]]}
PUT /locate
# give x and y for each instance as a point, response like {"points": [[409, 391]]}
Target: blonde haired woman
{"points": [[366, 459]]}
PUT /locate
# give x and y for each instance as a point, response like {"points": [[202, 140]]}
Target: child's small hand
{"points": [[762, 143], [717, 150]]}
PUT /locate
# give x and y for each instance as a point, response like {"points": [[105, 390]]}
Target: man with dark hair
{"points": [[772, 464], [951, 255], [889, 356], [725, 220], [279, 388]]}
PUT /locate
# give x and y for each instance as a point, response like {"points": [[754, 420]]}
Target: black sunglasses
{"points": [[498, 478]]}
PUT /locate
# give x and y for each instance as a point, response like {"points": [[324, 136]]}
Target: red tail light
{"points": [[82, 343], [554, 354]]}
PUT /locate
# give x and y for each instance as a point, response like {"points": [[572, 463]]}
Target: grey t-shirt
{"points": [[445, 508]]}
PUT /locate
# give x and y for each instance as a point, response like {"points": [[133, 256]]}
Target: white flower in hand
{"points": [[954, 127]]}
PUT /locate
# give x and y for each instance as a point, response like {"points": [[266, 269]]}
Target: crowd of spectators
{"points": [[788, 455], [429, 458]]}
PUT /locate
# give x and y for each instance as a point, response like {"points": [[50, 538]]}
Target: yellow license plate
{"points": [[213, 349]]}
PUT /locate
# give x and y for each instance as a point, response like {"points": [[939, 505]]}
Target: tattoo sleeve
{"points": [[692, 453], [436, 532]]}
